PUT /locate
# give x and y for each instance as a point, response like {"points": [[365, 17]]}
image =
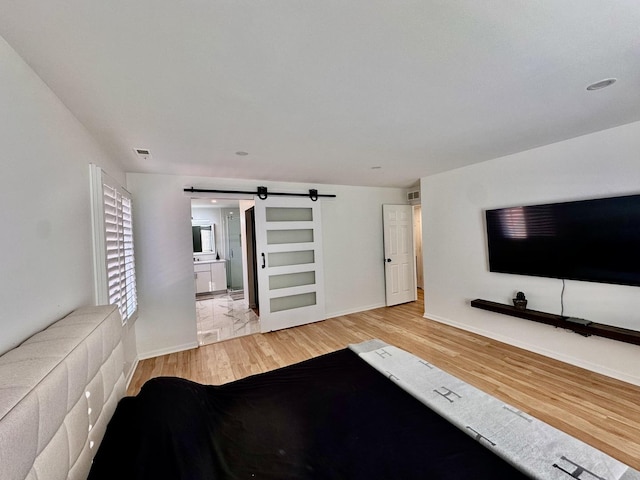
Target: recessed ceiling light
{"points": [[601, 84], [214, 201], [242, 154]]}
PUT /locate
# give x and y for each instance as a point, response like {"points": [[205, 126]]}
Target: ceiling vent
{"points": [[413, 196], [143, 153]]}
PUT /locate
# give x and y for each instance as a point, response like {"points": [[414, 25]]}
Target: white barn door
{"points": [[289, 262], [399, 261]]}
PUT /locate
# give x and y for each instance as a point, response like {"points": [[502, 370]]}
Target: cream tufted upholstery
{"points": [[58, 391]]}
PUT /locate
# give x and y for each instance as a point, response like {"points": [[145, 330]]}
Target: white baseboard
{"points": [[189, 346], [578, 362], [132, 370], [167, 351], [354, 310]]}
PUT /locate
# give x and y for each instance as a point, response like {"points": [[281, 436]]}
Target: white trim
{"points": [[132, 370], [542, 351], [97, 230], [355, 310], [168, 350]]}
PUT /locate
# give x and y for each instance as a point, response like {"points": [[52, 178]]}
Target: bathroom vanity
{"points": [[210, 276]]}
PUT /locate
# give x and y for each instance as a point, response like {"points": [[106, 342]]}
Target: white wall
{"points": [[606, 163], [353, 253], [46, 243]]}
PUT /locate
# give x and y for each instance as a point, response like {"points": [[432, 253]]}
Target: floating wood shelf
{"points": [[598, 329]]}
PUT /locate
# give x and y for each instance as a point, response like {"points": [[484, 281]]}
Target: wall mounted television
{"points": [[592, 240]]}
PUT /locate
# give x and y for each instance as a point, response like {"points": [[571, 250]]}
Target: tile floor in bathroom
{"points": [[223, 316]]}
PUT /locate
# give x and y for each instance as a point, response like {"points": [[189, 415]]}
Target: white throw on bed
{"points": [[534, 447], [58, 391]]}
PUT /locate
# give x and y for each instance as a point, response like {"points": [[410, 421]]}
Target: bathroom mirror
{"points": [[204, 238]]}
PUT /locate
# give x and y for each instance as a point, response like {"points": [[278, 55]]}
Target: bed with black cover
{"points": [[371, 411]]}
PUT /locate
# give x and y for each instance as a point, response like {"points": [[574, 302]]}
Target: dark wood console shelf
{"points": [[599, 329]]}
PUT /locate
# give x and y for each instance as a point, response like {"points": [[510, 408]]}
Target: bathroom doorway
{"points": [[222, 309]]}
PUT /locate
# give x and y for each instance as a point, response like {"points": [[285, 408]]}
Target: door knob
{"points": [[388, 260]]}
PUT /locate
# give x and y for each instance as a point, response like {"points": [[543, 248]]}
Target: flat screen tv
{"points": [[593, 240]]}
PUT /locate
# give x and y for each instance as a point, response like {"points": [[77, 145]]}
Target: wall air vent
{"points": [[413, 197], [143, 153]]}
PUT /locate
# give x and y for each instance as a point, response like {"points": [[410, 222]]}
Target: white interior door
{"points": [[289, 260], [399, 262]]}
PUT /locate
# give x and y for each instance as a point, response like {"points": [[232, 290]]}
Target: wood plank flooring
{"points": [[599, 410]]}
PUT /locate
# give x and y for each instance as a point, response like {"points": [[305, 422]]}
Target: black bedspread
{"points": [[331, 417]]}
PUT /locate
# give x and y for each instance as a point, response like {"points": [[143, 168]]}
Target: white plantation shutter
{"points": [[113, 238], [121, 281]]}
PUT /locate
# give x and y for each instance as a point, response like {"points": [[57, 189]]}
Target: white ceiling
{"points": [[322, 91]]}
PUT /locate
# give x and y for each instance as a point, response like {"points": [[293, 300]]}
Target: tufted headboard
{"points": [[58, 391]]}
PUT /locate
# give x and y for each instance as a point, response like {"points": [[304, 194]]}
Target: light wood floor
{"points": [[597, 409]]}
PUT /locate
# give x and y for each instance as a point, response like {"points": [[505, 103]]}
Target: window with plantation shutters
{"points": [[120, 268], [113, 239]]}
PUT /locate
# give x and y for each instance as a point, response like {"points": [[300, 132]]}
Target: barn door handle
{"points": [[263, 262]]}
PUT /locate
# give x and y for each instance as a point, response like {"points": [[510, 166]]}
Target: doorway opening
{"points": [[417, 245], [220, 270]]}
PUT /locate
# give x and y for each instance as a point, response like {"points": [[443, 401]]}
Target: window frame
{"points": [[114, 252]]}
